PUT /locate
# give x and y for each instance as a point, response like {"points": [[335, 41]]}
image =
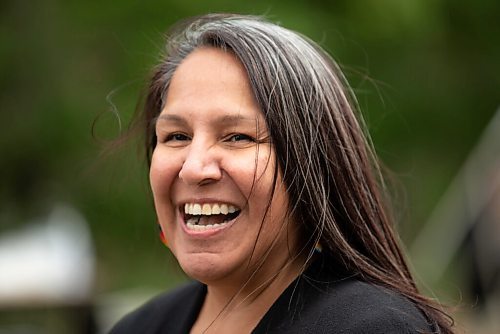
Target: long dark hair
{"points": [[331, 173]]}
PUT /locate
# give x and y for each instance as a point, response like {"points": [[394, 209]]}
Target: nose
{"points": [[201, 165]]}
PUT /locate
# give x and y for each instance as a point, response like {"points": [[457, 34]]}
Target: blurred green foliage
{"points": [[427, 75]]}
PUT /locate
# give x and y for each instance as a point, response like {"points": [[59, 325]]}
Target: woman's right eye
{"points": [[173, 139], [176, 137]]}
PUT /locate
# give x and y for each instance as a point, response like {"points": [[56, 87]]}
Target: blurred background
{"points": [[78, 237]]}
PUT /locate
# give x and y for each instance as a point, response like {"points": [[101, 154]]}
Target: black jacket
{"points": [[316, 302]]}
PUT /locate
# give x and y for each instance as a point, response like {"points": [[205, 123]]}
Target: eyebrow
{"points": [[170, 118], [232, 119]]}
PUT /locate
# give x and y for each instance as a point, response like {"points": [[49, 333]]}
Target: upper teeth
{"points": [[208, 209]]}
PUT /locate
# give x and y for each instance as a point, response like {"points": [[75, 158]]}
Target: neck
{"points": [[238, 308]]}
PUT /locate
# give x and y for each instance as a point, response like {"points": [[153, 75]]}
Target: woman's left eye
{"points": [[239, 137]]}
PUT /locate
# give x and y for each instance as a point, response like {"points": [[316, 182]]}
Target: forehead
{"points": [[213, 81]]}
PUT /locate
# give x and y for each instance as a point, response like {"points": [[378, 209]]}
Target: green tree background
{"points": [[427, 75]]}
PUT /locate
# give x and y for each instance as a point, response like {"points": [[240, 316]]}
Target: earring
{"points": [[162, 236], [318, 248]]}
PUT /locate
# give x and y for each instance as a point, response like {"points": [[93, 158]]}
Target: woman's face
{"points": [[212, 173]]}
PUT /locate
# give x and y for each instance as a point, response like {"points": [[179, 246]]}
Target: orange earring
{"points": [[162, 236]]}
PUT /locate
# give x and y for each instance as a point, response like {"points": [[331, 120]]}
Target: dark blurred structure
{"points": [[465, 227], [485, 248]]}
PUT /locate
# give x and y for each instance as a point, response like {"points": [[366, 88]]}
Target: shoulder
{"points": [[347, 305], [156, 315], [360, 307]]}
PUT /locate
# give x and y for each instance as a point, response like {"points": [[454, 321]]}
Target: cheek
{"points": [[270, 184], [253, 174], [264, 174], [162, 173]]}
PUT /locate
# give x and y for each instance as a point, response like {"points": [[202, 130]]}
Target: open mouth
{"points": [[201, 217]]}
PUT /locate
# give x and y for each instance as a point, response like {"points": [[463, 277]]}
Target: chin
{"points": [[204, 267]]}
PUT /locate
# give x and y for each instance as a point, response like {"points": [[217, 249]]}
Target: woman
{"points": [[267, 192]]}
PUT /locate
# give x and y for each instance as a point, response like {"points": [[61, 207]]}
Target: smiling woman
{"points": [[267, 192], [212, 174]]}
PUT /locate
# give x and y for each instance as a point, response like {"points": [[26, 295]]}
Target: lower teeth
{"points": [[193, 223], [195, 227]]}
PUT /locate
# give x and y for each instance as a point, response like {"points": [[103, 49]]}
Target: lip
{"points": [[204, 234]]}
